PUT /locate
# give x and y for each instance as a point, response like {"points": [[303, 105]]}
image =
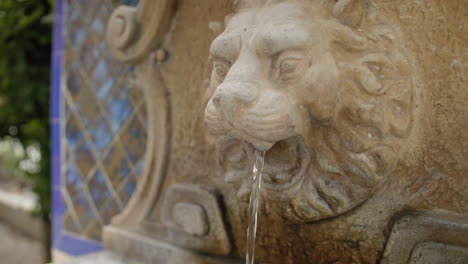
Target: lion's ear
{"points": [[349, 12]]}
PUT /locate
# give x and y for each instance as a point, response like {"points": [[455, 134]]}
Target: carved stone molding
{"points": [[133, 34], [419, 237], [325, 87], [157, 149], [194, 216], [133, 31], [438, 253]]}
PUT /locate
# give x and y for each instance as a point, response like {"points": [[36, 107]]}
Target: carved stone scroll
{"points": [[133, 32]]}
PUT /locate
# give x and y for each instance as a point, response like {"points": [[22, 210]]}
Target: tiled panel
{"points": [[83, 159], [104, 130], [119, 107], [135, 139], [73, 132], [116, 165], [70, 224], [98, 188], [77, 194], [109, 209]]}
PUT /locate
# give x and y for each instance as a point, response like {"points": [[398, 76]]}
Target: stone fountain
{"points": [[360, 105]]}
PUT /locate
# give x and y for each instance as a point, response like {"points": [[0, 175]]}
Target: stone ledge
{"points": [[104, 257], [148, 250]]}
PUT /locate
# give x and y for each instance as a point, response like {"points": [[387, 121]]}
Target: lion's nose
{"points": [[230, 97]]}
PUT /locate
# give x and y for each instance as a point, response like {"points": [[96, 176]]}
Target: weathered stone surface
{"points": [[191, 218], [419, 235], [151, 250], [104, 257], [366, 119], [437, 253]]}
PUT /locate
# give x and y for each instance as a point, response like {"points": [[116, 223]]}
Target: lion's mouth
{"points": [[285, 162]]}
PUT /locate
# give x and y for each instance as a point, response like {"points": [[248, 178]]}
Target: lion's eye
{"points": [[288, 66], [377, 70], [221, 69]]}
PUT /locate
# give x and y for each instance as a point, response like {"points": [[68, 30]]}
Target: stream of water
{"points": [[253, 206]]}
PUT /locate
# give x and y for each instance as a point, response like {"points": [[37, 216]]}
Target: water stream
{"points": [[253, 206]]}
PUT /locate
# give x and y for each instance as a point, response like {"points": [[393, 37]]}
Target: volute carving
{"points": [[133, 31], [325, 87]]}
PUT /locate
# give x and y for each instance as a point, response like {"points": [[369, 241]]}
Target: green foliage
{"points": [[11, 154], [24, 62], [25, 46]]}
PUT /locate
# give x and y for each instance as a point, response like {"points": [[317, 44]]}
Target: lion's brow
{"points": [[225, 47], [282, 38]]}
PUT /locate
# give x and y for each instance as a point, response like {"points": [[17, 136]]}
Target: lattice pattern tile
{"points": [[105, 122]]}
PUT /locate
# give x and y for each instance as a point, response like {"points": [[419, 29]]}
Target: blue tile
{"points": [[100, 19], [98, 188], [73, 132], [84, 159], [130, 187], [76, 191], [100, 134], [98, 48], [72, 176], [82, 207], [77, 37], [119, 109], [139, 167], [104, 89], [57, 213], [77, 245], [116, 165], [125, 170], [74, 82], [88, 57], [55, 154], [101, 70], [134, 140], [103, 78], [98, 26], [130, 2]]}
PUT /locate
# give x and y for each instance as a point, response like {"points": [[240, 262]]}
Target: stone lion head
{"points": [[324, 88]]}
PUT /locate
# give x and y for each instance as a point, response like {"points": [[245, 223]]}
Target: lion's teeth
{"points": [[282, 177], [278, 178], [267, 177]]}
